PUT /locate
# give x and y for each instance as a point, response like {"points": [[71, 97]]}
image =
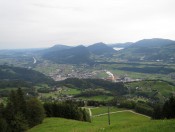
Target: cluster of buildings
{"points": [[63, 73]]}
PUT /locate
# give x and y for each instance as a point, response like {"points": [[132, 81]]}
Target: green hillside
{"points": [[121, 121]]}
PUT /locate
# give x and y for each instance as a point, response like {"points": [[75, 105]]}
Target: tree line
{"points": [[66, 110], [115, 88]]}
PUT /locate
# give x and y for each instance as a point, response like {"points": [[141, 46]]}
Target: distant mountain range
{"points": [[144, 50], [78, 54]]}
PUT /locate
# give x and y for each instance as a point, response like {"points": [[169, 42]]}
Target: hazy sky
{"points": [[43, 23]]}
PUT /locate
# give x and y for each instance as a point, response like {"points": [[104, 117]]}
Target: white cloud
{"points": [[42, 23]]}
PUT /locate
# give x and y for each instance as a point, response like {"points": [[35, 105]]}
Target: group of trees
{"points": [[66, 110], [115, 88], [90, 93], [167, 110], [20, 113]]}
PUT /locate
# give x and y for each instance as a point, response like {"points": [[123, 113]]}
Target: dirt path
{"points": [[120, 112], [90, 113]]}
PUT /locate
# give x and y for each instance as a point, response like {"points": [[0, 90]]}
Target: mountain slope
{"points": [[75, 55]]}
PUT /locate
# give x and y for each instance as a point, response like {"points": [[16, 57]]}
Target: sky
{"points": [[44, 23]]}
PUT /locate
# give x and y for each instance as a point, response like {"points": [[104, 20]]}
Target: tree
{"points": [[21, 104], [3, 123], [19, 123], [157, 113], [35, 112], [15, 112]]}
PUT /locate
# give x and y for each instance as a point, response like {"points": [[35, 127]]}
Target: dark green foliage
{"points": [[19, 123], [15, 112], [18, 115], [169, 108], [45, 90], [165, 111], [127, 104], [90, 93], [95, 103], [3, 125], [144, 109], [157, 113], [66, 110], [35, 112]]}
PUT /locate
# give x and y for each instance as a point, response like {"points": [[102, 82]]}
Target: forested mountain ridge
{"points": [[24, 74]]}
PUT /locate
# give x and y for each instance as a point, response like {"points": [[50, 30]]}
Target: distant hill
{"points": [[149, 50], [100, 48], [23, 74], [58, 47], [155, 42], [75, 55]]}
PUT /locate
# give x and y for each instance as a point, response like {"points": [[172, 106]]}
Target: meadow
{"points": [[125, 121]]}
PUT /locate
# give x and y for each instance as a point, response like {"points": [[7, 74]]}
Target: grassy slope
{"points": [[101, 110], [122, 122]]}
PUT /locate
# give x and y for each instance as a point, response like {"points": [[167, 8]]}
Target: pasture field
{"points": [[121, 122], [101, 110], [98, 98]]}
